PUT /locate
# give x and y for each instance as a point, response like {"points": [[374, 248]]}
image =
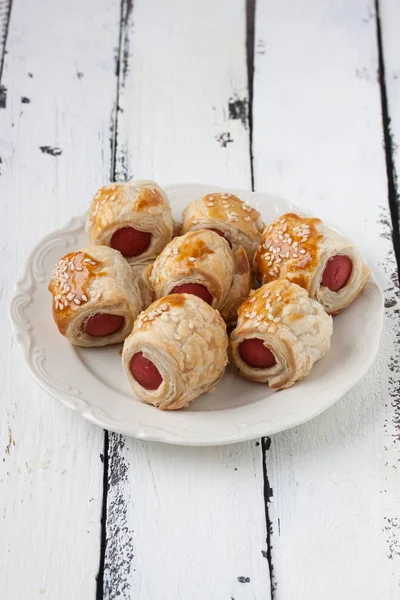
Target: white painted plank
{"points": [[185, 523], [318, 140], [390, 23], [60, 82]]}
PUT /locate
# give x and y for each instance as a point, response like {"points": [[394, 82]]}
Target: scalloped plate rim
{"points": [[147, 431]]}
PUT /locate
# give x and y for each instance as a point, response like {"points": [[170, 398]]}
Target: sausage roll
{"points": [[95, 297], [202, 263], [177, 351], [229, 216], [134, 218], [281, 333], [307, 252]]}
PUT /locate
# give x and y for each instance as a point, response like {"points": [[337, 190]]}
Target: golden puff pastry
{"points": [[141, 273], [202, 263], [229, 216], [281, 333], [134, 218], [95, 297], [177, 351], [307, 252]]}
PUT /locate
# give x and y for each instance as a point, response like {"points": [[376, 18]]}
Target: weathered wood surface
{"points": [[389, 13], [318, 140], [59, 92], [191, 523], [184, 522]]}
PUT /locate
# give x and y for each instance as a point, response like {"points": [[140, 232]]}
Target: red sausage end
{"points": [[145, 372], [337, 272], [130, 242], [103, 324], [196, 289], [255, 354]]}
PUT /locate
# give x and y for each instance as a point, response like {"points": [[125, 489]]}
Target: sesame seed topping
{"points": [[287, 254], [84, 298], [247, 218], [276, 269], [77, 301], [277, 319], [192, 259], [191, 326], [177, 336], [302, 251], [295, 255], [271, 273]]}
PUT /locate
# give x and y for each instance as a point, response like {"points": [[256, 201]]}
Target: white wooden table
{"points": [[296, 98]]}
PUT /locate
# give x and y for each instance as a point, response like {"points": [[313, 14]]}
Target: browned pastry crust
{"points": [[91, 281], [295, 328], [142, 205], [240, 223], [186, 340], [204, 257], [298, 248]]}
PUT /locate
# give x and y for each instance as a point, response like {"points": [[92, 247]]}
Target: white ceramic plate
{"points": [[91, 381]]}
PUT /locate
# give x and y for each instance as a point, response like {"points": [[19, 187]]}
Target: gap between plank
{"points": [[265, 442], [103, 522], [6, 28], [250, 29], [265, 445], [113, 144], [388, 141]]}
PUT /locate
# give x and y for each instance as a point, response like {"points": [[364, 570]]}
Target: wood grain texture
{"points": [[389, 12], [5, 13], [54, 151], [318, 141], [184, 522]]}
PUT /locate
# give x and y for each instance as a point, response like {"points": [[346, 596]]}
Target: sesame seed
{"points": [[270, 316], [192, 259], [70, 297], [78, 269], [269, 229], [278, 260], [174, 318], [302, 251], [287, 254], [278, 250], [295, 244], [77, 301], [304, 239], [284, 228], [283, 221], [177, 336], [84, 298], [295, 255], [191, 326], [277, 319], [139, 324], [271, 273], [247, 218], [269, 263], [276, 269]]}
